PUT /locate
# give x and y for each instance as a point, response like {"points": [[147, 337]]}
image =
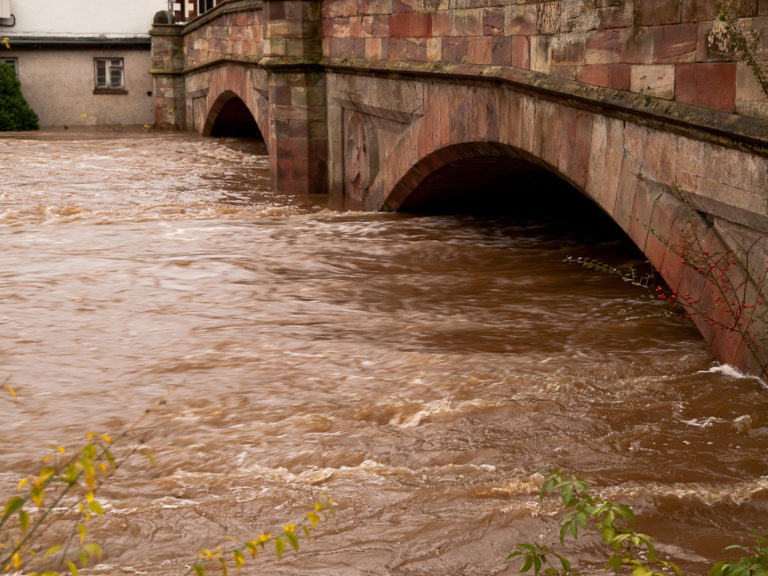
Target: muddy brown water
{"points": [[418, 369]]}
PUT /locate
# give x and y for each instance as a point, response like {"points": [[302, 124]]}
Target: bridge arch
{"points": [[475, 177], [228, 99], [230, 116], [658, 219]]}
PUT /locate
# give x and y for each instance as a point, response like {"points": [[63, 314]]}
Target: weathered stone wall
{"points": [[236, 35], [167, 76], [655, 47]]}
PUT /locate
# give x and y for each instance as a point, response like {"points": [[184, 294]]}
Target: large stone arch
{"points": [[632, 170], [213, 89]]}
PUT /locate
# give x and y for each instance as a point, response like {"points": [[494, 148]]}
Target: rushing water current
{"points": [[417, 369]]}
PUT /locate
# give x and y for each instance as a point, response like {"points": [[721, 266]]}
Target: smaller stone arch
{"points": [[230, 116]]}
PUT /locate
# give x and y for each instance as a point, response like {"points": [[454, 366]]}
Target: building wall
{"points": [[55, 43], [83, 17], [59, 86]]}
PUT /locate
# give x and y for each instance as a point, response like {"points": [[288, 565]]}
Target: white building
{"points": [[82, 62]]}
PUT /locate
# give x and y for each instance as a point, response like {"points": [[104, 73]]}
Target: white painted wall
{"points": [[83, 17]]}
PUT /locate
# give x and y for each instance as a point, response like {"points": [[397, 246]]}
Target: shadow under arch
{"points": [[230, 117], [492, 179]]}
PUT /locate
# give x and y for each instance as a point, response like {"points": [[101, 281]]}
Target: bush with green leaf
{"points": [[627, 548], [15, 113], [66, 489]]}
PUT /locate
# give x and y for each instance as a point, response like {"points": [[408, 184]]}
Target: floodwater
{"points": [[419, 370]]}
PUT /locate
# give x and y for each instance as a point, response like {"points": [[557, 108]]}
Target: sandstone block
{"points": [[434, 50], [442, 23], [615, 15], [548, 18], [698, 10], [647, 194], [468, 22], [654, 80], [478, 50], [454, 49], [594, 74], [568, 49], [373, 49], [511, 51], [710, 84], [575, 150], [410, 24], [521, 20], [657, 12], [602, 46], [674, 43], [493, 22], [541, 55], [636, 46]]}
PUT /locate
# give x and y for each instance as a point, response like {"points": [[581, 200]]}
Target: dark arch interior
{"points": [[236, 121], [509, 187]]}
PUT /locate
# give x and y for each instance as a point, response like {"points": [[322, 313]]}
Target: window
{"points": [[109, 74], [204, 5], [13, 63]]}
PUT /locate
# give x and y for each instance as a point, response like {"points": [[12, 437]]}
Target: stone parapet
{"points": [[657, 48]]}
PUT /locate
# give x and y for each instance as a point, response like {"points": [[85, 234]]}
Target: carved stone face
{"points": [[357, 174]]}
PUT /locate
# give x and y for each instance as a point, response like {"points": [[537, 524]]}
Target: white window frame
{"points": [[109, 74], [13, 62]]}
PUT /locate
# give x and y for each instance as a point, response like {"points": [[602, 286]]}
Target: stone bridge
{"points": [[396, 104]]}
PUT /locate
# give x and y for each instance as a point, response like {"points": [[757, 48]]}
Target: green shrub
{"points": [[15, 113]]}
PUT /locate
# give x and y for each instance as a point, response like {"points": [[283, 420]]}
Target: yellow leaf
{"points": [[16, 560], [313, 518], [72, 567], [289, 528], [239, 559], [22, 483], [96, 508], [24, 521], [52, 550], [253, 547], [8, 386], [83, 532], [6, 43], [14, 504]]}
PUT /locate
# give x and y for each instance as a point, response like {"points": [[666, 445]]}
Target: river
{"points": [[418, 369]]}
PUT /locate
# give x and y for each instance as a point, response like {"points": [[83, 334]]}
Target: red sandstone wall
{"points": [[236, 36], [656, 47]]}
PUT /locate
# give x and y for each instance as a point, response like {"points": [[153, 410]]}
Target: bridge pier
{"points": [[168, 74], [297, 96]]}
